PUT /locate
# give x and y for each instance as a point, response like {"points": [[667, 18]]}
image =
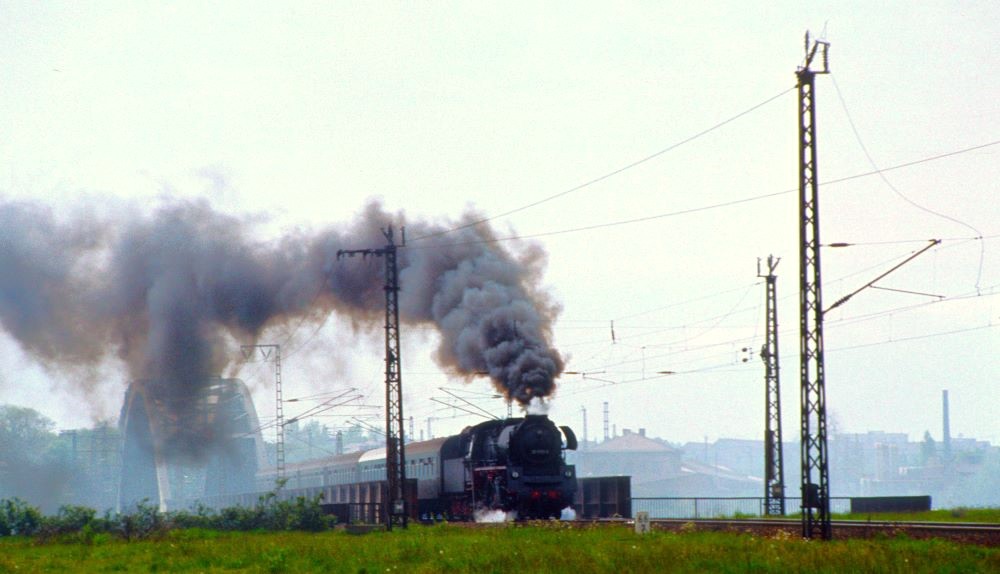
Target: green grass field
{"points": [[985, 515], [444, 548]]}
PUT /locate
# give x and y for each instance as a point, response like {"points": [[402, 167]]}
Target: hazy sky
{"points": [[300, 112]]}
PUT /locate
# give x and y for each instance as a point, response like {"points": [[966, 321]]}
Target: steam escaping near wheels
{"points": [[494, 516]]}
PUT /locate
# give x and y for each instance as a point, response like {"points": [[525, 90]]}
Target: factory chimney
{"points": [[606, 420], [946, 432]]}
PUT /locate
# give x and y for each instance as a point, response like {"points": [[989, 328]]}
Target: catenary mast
{"points": [[774, 471], [815, 463], [395, 453]]}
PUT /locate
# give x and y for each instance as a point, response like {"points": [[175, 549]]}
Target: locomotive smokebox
{"points": [[536, 445]]}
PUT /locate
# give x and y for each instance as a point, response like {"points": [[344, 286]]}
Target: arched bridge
{"points": [[220, 454]]}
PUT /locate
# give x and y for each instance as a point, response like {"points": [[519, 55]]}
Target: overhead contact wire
{"points": [[709, 207], [885, 180], [609, 174]]}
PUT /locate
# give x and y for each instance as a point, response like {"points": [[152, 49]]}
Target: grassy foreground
{"points": [[444, 548]]}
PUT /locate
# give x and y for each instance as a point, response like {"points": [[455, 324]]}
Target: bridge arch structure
{"points": [[229, 448]]}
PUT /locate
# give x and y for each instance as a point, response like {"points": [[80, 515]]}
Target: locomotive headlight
{"points": [[515, 474], [569, 474]]}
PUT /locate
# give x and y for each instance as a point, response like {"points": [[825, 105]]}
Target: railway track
{"points": [[972, 533]]}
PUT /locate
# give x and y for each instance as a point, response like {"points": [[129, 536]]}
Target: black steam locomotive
{"points": [[515, 466]]}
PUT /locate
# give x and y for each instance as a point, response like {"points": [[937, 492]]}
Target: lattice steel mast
{"points": [[815, 465], [279, 405], [774, 470], [395, 449]]}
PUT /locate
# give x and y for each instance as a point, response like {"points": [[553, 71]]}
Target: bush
{"points": [[69, 519], [273, 514], [146, 521], [18, 518], [201, 517], [309, 515]]}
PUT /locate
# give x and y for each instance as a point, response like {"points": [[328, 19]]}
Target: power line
{"points": [[917, 337], [301, 322], [607, 175], [871, 316], [601, 324], [654, 377], [662, 375], [610, 224], [655, 330], [903, 309], [679, 303], [659, 376], [871, 160], [731, 344], [835, 323], [716, 321], [687, 211], [904, 241], [912, 163]]}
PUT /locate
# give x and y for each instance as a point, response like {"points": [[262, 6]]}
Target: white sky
{"points": [[303, 111]]}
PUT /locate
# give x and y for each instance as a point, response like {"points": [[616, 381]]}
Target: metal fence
{"points": [[718, 507]]}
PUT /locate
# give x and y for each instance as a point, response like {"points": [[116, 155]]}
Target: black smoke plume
{"points": [[168, 291]]}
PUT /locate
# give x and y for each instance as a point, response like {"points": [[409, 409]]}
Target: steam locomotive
{"points": [[515, 466]]}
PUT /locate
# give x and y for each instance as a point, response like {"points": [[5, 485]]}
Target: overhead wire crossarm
{"points": [[846, 298], [325, 406]]}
